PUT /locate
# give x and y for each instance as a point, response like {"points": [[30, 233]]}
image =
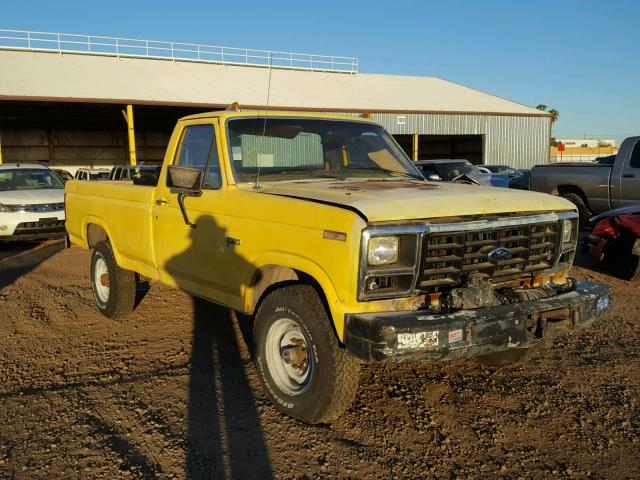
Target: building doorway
{"points": [[433, 147]]}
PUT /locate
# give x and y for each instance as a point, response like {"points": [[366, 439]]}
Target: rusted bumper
{"points": [[413, 336]]}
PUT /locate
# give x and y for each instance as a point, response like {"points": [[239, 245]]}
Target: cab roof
{"points": [[224, 114]]}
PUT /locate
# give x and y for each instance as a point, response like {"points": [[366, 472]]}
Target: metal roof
{"points": [[29, 75]]}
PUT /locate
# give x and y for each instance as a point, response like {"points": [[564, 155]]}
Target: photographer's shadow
{"points": [[225, 438]]}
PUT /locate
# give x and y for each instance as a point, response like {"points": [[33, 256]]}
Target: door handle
{"points": [[162, 201], [628, 175]]}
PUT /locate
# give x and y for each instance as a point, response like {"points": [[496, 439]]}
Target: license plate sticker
{"points": [[456, 336], [602, 305], [418, 340]]}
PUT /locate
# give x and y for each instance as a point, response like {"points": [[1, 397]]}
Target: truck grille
{"points": [[36, 207], [449, 258]]}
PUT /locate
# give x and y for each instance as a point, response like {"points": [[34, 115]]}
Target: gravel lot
{"points": [[170, 392]]}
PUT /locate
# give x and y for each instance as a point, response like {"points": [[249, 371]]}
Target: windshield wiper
{"points": [[328, 174], [393, 173]]}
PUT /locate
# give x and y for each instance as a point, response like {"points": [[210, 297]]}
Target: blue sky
{"points": [[580, 57]]}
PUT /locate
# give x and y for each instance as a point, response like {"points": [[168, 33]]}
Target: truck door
{"points": [[630, 178], [193, 259]]}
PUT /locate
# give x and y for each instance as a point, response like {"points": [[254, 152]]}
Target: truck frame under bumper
{"points": [[419, 335]]}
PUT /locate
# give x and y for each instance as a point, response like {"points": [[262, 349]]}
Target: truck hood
{"points": [[388, 200], [30, 197]]}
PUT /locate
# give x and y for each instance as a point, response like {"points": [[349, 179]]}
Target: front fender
{"points": [[310, 268]]}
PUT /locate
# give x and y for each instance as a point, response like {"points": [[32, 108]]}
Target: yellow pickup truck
{"points": [[321, 228]]}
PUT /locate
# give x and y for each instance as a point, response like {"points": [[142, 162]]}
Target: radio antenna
{"points": [[264, 125]]}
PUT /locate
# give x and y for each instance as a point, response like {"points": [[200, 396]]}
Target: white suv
{"points": [[31, 203]]}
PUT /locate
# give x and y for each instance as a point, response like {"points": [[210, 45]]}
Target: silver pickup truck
{"points": [[594, 187]]}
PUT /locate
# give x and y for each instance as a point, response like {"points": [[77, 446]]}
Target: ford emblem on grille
{"points": [[500, 253]]}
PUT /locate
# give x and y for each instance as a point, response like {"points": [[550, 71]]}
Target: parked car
{"points": [[131, 172], [454, 170], [483, 169], [63, 174], [92, 174], [594, 187], [340, 250], [31, 203], [614, 241], [521, 182], [503, 169], [518, 178]]}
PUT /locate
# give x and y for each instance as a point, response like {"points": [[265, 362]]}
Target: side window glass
{"points": [[198, 149], [635, 156]]}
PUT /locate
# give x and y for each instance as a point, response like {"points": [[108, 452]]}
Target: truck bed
{"points": [[121, 208], [589, 180], [576, 164]]}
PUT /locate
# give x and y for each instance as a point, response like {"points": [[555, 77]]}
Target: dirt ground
{"points": [[171, 392]]}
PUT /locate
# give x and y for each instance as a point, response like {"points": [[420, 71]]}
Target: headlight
{"points": [[382, 250], [4, 208], [567, 230]]}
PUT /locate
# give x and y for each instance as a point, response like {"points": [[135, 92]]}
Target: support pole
{"points": [[415, 146], [0, 148], [132, 136]]}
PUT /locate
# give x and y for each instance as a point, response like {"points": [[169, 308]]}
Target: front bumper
{"points": [[32, 226], [412, 336]]}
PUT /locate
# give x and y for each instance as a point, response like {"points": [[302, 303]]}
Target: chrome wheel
{"points": [[101, 279], [288, 358]]}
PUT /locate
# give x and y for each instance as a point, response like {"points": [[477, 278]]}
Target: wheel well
{"points": [[95, 234], [572, 189], [273, 277]]}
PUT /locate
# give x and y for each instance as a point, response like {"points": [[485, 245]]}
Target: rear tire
{"points": [[584, 214], [114, 288], [302, 368]]}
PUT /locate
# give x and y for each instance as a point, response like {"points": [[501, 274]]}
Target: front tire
{"points": [[114, 288], [302, 368]]}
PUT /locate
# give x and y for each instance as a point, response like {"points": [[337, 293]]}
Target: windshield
{"points": [[99, 176], [299, 149], [64, 175], [28, 179], [449, 171]]}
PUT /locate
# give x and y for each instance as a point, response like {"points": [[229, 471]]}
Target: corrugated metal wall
{"points": [[305, 149], [520, 142]]}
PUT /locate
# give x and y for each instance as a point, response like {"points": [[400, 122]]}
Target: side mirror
{"points": [[434, 177], [185, 179], [186, 182]]}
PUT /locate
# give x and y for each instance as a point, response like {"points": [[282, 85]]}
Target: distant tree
{"points": [[553, 142], [602, 143], [553, 112]]}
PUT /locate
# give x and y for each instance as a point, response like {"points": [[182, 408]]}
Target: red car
{"points": [[614, 241]]}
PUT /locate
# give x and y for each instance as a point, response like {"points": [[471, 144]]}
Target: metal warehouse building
{"points": [[72, 101]]}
